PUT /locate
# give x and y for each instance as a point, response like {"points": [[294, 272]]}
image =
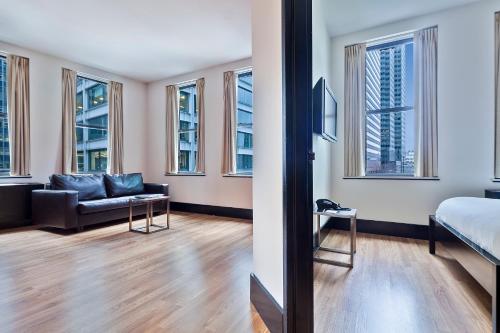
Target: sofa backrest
{"points": [[89, 187], [126, 184]]}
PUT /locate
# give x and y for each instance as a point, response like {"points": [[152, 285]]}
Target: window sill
{"points": [[238, 175], [394, 178], [185, 174], [14, 177]]}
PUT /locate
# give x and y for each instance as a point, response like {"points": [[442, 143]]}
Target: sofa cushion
{"points": [[122, 185], [89, 187], [102, 205]]}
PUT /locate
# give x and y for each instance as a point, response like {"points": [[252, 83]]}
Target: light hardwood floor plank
{"points": [[397, 286], [192, 278]]}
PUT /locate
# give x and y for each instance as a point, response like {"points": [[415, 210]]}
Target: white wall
{"points": [[322, 175], [268, 146], [46, 114], [213, 188], [465, 118]]}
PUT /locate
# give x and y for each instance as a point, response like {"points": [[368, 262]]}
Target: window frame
{"points": [[86, 153], [380, 45], [242, 173], [180, 86]]}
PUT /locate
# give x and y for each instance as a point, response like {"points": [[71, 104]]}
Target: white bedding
{"points": [[478, 219]]}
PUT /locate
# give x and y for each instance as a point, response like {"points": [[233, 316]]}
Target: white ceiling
{"points": [[346, 16], [146, 40]]}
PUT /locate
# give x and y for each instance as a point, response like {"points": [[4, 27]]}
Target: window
{"points": [[4, 123], [389, 129], [97, 95], [79, 101], [188, 128], [91, 125], [244, 119]]}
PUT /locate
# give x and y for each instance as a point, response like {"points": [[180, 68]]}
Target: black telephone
{"points": [[325, 204]]}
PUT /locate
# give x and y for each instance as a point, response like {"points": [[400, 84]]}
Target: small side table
{"points": [[344, 214], [148, 202]]}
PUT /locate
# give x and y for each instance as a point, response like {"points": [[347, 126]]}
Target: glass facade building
{"points": [[244, 118], [389, 109], [4, 123], [188, 128], [91, 125]]}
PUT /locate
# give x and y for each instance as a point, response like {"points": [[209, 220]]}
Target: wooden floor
{"points": [[192, 278], [195, 278], [397, 286]]}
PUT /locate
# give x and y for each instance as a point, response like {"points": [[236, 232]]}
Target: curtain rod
{"points": [[185, 83], [93, 77], [399, 34], [243, 69], [239, 70]]}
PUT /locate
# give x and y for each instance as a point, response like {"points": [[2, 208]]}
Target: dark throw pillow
{"points": [[89, 187], [126, 184]]}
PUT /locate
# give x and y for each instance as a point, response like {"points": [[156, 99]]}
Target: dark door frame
{"points": [[298, 302]]}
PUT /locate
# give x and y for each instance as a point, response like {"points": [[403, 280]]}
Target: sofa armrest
{"points": [[55, 208], [152, 188]]}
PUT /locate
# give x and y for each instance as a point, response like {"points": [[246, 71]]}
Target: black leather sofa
{"points": [[75, 201]]}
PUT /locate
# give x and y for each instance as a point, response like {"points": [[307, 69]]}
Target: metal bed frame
{"points": [[481, 264]]}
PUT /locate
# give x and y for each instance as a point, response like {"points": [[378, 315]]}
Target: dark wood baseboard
{"points": [[265, 304], [239, 213], [396, 229]]}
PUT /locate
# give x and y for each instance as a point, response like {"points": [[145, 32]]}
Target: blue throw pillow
{"points": [[89, 187], [122, 185]]}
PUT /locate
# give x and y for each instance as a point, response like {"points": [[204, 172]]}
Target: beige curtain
{"points": [[497, 95], [229, 138], [200, 103], [68, 121], [172, 138], [354, 110], [19, 114], [115, 127], [425, 78]]}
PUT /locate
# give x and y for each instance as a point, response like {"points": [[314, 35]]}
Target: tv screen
{"points": [[325, 111]]}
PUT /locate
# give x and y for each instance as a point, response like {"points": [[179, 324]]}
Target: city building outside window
{"points": [[188, 128], [4, 120], [91, 125], [389, 129], [244, 119]]}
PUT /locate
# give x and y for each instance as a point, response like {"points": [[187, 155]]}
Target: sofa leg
{"points": [[432, 235], [79, 228]]}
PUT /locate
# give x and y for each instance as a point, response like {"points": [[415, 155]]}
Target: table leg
{"points": [[151, 215], [168, 213], [355, 232], [353, 239], [147, 217], [129, 215], [318, 231]]}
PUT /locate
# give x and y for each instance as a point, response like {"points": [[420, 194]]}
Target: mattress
{"points": [[478, 219]]}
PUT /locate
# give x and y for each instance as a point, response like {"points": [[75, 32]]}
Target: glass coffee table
{"points": [[148, 201]]}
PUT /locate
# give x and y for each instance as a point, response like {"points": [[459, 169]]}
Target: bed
{"points": [[469, 229]]}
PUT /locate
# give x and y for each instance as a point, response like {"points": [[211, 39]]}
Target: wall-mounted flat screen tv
{"points": [[324, 111]]}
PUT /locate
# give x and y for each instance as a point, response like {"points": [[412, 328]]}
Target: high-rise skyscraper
{"points": [[372, 120], [386, 88]]}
